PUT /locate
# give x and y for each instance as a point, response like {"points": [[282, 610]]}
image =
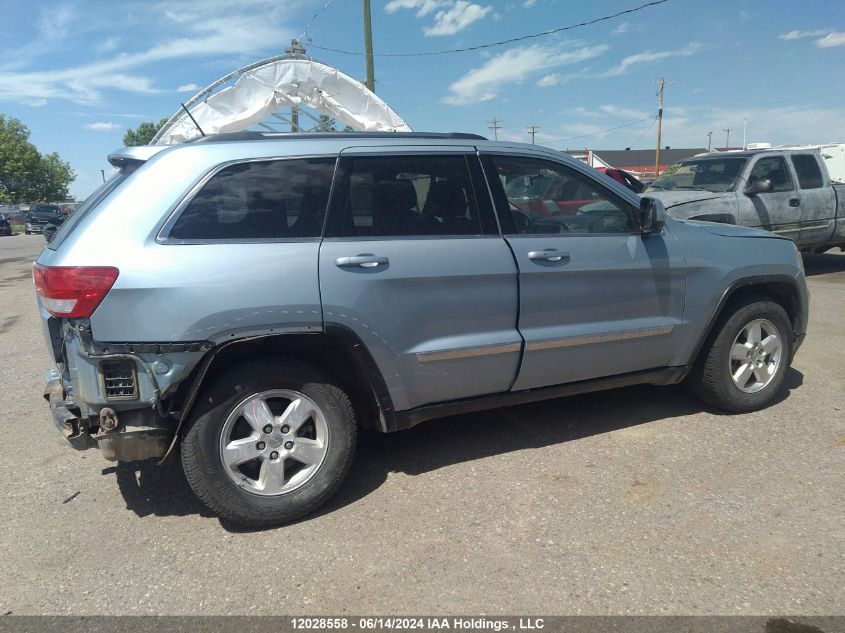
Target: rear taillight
{"points": [[72, 291]]}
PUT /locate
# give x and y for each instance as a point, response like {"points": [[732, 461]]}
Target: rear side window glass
{"points": [[808, 170], [279, 199], [773, 169], [406, 196]]}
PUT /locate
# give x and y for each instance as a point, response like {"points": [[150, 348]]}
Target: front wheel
{"points": [[744, 363], [273, 443]]}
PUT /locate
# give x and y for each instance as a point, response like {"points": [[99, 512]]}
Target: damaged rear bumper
{"points": [[134, 435]]}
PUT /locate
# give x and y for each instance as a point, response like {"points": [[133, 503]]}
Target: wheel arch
{"points": [[336, 350], [782, 289]]}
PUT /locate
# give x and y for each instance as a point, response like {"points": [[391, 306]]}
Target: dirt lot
{"points": [[634, 501]]}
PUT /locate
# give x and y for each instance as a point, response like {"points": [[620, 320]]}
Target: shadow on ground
{"points": [[149, 489]]}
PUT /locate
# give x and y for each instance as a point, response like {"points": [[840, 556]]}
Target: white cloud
{"points": [[622, 28], [516, 64], [101, 126], [528, 3], [623, 113], [238, 27], [548, 81], [107, 45], [452, 16], [456, 19], [797, 35], [832, 39], [35, 103], [648, 57], [423, 7], [191, 87]]}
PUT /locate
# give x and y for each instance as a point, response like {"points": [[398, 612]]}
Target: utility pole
{"points": [[709, 140], [727, 138], [495, 127], [368, 46], [532, 131], [659, 127], [744, 129], [295, 48], [103, 174]]}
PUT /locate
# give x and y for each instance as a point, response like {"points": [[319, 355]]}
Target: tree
{"points": [[26, 175], [327, 124], [143, 134]]}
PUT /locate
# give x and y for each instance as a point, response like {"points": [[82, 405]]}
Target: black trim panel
{"points": [[406, 419]]}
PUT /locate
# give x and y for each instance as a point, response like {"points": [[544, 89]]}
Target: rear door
{"points": [[818, 202], [778, 210], [412, 262], [597, 298]]}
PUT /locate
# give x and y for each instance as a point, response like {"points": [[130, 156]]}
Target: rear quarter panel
{"points": [[177, 292]]}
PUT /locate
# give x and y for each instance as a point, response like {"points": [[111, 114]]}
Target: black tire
{"points": [[710, 378], [27, 232], [203, 465]]}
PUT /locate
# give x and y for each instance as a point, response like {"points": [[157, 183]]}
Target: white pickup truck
{"points": [[785, 191]]}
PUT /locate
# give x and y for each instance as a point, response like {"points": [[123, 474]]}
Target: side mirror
{"points": [[652, 215], [759, 186]]}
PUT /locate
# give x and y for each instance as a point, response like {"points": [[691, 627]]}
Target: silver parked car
{"points": [[254, 299]]}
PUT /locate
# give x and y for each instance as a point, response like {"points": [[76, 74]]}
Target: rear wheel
{"points": [[273, 443], [744, 363]]}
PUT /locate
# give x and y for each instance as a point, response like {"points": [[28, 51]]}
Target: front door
{"points": [[778, 210], [413, 263], [597, 298]]}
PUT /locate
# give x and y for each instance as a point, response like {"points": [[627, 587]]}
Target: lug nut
{"points": [[260, 446], [268, 429], [274, 455], [288, 445], [285, 428]]}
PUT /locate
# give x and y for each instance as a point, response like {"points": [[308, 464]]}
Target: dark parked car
{"points": [[40, 215], [5, 225]]}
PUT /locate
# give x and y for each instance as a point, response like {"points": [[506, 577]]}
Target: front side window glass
{"points": [[546, 197], [773, 169], [407, 196], [279, 199]]}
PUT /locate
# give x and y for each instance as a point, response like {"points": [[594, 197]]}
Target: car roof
{"points": [[747, 153]]}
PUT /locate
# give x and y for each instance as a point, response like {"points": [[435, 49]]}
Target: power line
{"points": [[502, 42], [610, 129], [305, 37]]}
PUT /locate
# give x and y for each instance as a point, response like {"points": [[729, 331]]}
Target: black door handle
{"points": [[794, 202]]}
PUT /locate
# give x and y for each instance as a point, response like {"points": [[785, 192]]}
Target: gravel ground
{"points": [[637, 501]]}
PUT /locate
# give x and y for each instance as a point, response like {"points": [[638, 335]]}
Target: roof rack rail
{"points": [[275, 136]]}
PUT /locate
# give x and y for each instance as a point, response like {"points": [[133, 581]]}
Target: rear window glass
{"points": [[90, 203], [43, 209], [277, 199], [808, 170]]}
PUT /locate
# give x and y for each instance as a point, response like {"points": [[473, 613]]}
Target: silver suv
{"points": [[253, 300]]}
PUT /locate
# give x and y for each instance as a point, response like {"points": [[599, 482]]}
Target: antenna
{"points": [[192, 118]]}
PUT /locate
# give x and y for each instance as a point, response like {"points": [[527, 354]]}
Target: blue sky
{"points": [[79, 73]]}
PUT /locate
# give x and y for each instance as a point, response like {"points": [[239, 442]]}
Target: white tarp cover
{"points": [[279, 85]]}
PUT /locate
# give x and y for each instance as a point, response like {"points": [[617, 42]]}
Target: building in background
{"points": [[639, 162]]}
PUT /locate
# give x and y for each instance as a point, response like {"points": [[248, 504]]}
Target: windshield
{"points": [[43, 209], [709, 174]]}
